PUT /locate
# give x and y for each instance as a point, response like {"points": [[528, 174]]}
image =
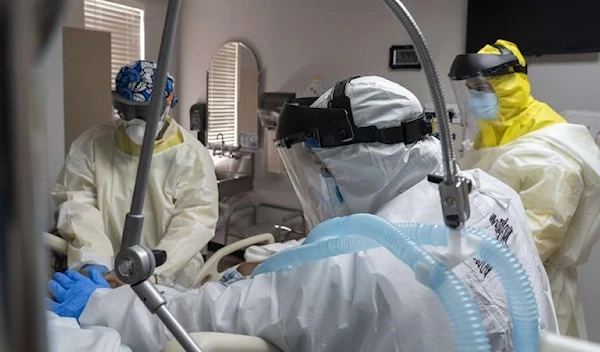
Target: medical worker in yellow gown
{"points": [[553, 165]]}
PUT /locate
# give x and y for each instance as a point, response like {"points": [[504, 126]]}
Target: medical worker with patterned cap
{"points": [[553, 165], [94, 190]]}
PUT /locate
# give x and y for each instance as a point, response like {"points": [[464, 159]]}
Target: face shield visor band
{"points": [[129, 109], [484, 65], [334, 126]]}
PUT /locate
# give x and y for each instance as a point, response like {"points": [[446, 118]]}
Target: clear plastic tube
{"points": [[363, 231], [523, 308]]}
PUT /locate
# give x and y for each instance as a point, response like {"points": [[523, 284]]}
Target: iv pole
{"points": [[134, 264]]}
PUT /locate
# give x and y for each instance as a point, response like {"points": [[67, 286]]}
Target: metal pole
{"points": [[454, 190], [134, 264], [176, 329], [401, 12], [133, 224], [22, 254]]}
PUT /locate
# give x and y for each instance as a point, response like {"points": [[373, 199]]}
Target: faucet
{"points": [[224, 148], [222, 142], [222, 145]]}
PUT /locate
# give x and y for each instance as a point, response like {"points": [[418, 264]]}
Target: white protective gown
{"points": [[497, 210], [94, 190], [65, 335], [363, 302], [559, 184]]}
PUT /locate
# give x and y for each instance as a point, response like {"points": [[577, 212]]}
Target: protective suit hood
{"points": [[371, 174], [519, 112]]}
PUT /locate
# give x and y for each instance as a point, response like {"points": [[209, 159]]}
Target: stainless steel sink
{"points": [[227, 175], [232, 186], [234, 175]]}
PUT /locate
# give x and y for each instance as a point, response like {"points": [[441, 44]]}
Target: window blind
{"points": [[125, 22], [222, 96]]}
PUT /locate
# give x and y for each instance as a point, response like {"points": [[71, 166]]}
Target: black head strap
{"points": [[408, 132]]}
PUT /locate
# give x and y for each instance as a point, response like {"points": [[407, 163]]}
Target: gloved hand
{"points": [[72, 291]]}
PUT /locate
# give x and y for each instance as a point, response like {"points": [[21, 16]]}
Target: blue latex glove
{"points": [[99, 268], [72, 290]]}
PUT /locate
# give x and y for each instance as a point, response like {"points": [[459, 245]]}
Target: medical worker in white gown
{"points": [[367, 301]]}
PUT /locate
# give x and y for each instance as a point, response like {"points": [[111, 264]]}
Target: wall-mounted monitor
{"points": [[538, 27]]}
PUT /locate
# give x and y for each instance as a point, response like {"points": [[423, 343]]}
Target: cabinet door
{"points": [[87, 81]]}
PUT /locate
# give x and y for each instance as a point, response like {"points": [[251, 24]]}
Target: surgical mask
{"points": [[483, 105], [136, 128]]}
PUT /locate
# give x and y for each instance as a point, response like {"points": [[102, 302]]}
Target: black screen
{"points": [[537, 26]]}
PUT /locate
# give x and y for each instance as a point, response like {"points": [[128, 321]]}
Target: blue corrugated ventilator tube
{"points": [[360, 232], [523, 308]]}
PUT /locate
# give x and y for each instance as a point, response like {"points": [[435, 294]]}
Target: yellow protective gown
{"points": [[94, 190], [556, 171], [519, 112]]}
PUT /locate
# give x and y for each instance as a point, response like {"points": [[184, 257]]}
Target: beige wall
{"points": [[295, 40]]}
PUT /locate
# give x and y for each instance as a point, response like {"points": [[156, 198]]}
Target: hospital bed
{"points": [[282, 225], [210, 272], [222, 342]]}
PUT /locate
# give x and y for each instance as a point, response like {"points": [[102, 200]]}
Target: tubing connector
{"points": [[460, 248]]}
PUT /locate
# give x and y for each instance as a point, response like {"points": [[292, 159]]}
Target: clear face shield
{"points": [[477, 101], [315, 186], [476, 97]]}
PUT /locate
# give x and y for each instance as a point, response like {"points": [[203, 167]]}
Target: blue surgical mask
{"points": [[483, 105]]}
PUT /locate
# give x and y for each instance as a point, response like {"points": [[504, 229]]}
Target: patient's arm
{"points": [[246, 268]]}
